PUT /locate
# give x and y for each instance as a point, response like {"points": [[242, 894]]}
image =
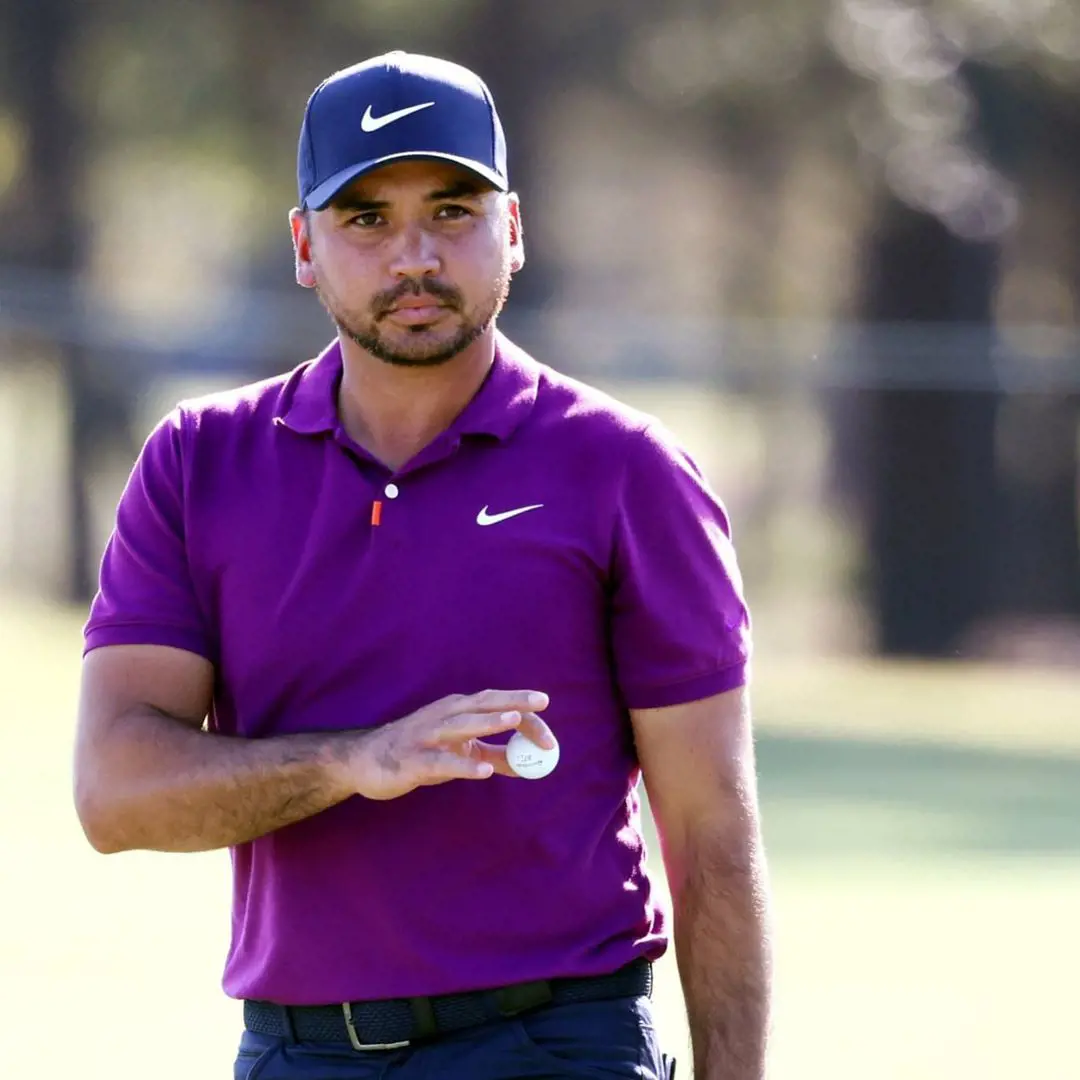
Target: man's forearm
{"points": [[162, 785], [722, 941]]}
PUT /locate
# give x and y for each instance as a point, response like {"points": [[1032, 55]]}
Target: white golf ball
{"points": [[529, 760]]}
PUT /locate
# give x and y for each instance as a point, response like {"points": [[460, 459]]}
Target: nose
{"points": [[416, 256]]}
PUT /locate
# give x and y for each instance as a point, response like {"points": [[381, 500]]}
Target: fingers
{"points": [[493, 754], [443, 741], [535, 730], [469, 759], [455, 729], [493, 701], [489, 712], [439, 766]]}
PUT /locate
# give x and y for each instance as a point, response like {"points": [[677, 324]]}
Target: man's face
{"points": [[413, 260]]}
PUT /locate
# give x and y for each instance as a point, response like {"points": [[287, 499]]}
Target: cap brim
{"points": [[319, 198]]}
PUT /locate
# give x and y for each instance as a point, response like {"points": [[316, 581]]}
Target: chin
{"points": [[413, 354], [419, 361], [424, 348], [421, 346]]}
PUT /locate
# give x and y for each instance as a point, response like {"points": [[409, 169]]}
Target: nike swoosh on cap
{"points": [[371, 123], [484, 518]]}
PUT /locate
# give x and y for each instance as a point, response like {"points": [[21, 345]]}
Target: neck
{"points": [[394, 411]]}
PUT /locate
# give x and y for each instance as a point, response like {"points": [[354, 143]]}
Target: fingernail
{"points": [[510, 717], [537, 700]]}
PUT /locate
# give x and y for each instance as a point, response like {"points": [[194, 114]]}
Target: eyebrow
{"points": [[354, 202], [460, 189]]}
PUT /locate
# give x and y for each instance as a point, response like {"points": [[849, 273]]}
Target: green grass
{"points": [[923, 827]]}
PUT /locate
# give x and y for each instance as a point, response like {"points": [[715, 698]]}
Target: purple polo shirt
{"points": [[245, 535]]}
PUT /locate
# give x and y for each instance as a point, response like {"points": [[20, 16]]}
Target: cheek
{"points": [[474, 265], [344, 268]]}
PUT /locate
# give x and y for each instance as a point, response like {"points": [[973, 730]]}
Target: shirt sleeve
{"points": [[145, 594], [680, 627]]}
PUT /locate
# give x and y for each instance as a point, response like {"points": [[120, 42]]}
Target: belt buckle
{"points": [[346, 1008]]}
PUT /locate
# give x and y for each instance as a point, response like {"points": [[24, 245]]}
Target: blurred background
{"points": [[835, 244]]}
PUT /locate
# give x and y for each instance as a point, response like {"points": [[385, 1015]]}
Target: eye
{"points": [[452, 212], [366, 220]]}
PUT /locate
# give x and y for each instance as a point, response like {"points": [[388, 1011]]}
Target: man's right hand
{"points": [[147, 777], [444, 741]]}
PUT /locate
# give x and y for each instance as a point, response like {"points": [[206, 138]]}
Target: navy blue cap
{"points": [[392, 108]]}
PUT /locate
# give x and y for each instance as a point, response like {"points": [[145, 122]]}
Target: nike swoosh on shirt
{"points": [[484, 518], [372, 123]]}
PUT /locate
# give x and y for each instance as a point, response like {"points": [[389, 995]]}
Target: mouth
{"points": [[416, 310], [416, 316]]}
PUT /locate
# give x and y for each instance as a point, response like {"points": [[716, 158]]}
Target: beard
{"points": [[427, 347]]}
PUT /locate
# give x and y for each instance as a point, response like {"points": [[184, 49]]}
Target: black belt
{"points": [[393, 1024]]}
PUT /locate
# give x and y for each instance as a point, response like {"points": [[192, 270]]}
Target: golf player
{"points": [[330, 598]]}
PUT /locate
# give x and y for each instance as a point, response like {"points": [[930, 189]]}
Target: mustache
{"points": [[445, 294]]}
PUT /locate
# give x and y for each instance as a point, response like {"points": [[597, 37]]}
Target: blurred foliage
{"points": [[786, 167], [879, 88]]}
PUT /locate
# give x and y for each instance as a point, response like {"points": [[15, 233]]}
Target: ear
{"points": [[300, 223], [517, 235]]}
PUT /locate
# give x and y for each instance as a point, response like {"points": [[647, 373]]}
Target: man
{"points": [[313, 581]]}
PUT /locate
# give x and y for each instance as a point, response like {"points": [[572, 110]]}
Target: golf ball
{"points": [[529, 760]]}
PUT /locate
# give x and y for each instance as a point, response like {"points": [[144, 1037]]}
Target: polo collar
{"points": [[506, 396], [312, 407], [498, 408]]}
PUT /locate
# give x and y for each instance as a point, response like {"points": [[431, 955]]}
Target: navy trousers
{"points": [[585, 1040]]}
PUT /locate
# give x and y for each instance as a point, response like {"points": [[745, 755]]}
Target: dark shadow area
{"points": [[844, 797]]}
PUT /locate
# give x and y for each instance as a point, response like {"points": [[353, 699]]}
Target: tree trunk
{"points": [[931, 450], [42, 231], [1039, 571]]}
